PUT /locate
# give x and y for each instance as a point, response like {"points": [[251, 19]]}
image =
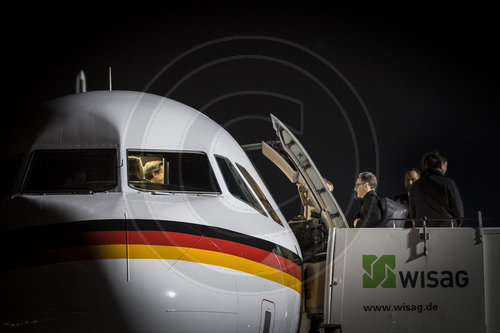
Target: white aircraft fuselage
{"points": [[106, 255]]}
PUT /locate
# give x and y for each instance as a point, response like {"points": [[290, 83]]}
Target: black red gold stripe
{"points": [[150, 239]]}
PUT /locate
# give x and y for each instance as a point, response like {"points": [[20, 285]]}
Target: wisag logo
{"points": [[379, 271]]}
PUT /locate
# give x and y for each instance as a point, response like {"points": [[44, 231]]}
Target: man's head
{"points": [[434, 160], [444, 165], [153, 171], [411, 176], [135, 167], [365, 183], [328, 184]]}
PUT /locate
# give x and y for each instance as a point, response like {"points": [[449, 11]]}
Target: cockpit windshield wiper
{"points": [[71, 192], [57, 192], [163, 193]]}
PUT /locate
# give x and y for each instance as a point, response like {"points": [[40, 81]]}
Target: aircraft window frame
{"points": [[166, 187], [82, 179], [238, 188], [260, 195], [10, 165]]}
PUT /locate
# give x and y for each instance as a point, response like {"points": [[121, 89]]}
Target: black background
{"points": [[400, 80]]}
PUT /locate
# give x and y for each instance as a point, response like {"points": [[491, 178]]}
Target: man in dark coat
{"points": [[370, 212], [434, 195]]}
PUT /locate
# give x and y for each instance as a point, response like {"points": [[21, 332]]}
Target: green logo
{"points": [[379, 271]]}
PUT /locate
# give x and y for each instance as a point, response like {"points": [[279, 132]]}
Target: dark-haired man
{"points": [[154, 172], [411, 176], [370, 212], [434, 195]]}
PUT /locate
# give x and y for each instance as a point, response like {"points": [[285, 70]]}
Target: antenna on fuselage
{"points": [[81, 83], [110, 86]]}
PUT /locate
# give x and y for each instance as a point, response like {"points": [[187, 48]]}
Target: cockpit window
{"points": [[171, 172], [71, 171], [260, 194], [236, 185]]}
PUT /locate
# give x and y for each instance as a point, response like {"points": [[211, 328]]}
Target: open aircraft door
{"points": [[303, 172], [321, 214], [320, 209]]}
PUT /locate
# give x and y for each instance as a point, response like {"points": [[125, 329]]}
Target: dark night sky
{"points": [[366, 87]]}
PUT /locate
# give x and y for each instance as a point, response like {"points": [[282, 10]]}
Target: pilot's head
{"points": [[153, 171], [135, 169], [365, 183]]}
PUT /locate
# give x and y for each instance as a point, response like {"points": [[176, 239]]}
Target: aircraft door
{"points": [[308, 176]]}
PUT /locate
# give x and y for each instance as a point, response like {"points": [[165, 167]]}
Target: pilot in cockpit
{"points": [[135, 169], [154, 172]]}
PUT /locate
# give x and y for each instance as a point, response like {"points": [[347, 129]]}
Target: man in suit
{"points": [[434, 195], [370, 212]]}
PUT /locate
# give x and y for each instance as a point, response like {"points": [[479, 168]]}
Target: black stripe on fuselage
{"points": [[52, 236]]}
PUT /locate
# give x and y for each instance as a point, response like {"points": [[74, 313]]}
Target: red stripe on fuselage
{"points": [[167, 238]]}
